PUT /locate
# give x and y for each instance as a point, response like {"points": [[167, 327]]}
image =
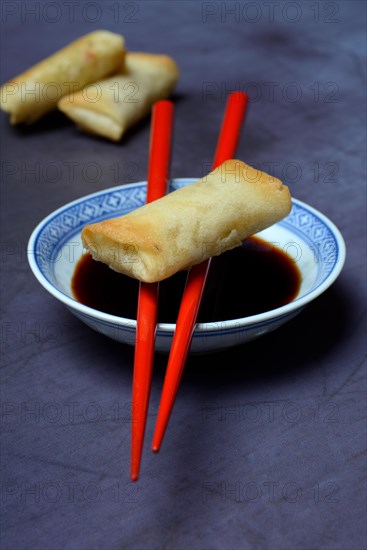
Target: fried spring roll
{"points": [[191, 224], [33, 93], [109, 107]]}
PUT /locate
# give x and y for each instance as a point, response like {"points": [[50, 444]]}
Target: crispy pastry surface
{"points": [[33, 93], [120, 101], [191, 224]]}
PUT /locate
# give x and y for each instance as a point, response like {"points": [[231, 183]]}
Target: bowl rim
{"points": [[215, 326]]}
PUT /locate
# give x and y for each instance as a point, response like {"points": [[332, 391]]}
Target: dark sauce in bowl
{"points": [[251, 279]]}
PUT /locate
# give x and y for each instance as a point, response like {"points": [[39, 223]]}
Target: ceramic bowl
{"points": [[308, 236]]}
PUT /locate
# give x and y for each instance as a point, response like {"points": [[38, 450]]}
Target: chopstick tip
{"points": [[134, 476]]}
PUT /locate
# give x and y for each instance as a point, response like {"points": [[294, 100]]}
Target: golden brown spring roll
{"points": [[109, 107], [191, 224], [33, 93]]}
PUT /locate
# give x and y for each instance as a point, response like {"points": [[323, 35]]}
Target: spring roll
{"points": [[33, 93], [109, 107], [191, 224]]}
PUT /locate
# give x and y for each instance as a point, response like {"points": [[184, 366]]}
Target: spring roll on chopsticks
{"points": [[123, 99], [33, 93], [191, 224]]}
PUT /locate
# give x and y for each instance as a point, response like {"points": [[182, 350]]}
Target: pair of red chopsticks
{"points": [[159, 156]]}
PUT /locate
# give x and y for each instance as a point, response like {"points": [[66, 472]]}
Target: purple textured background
{"points": [[265, 445]]}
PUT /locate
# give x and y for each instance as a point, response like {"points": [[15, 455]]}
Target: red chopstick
{"points": [[185, 325], [159, 157]]}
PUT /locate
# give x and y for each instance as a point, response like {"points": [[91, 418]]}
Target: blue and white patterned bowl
{"points": [[307, 235]]}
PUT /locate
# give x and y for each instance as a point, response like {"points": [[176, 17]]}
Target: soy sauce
{"points": [[247, 280]]}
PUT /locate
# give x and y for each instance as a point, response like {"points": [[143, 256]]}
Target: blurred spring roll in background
{"points": [[109, 107], [33, 93]]}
